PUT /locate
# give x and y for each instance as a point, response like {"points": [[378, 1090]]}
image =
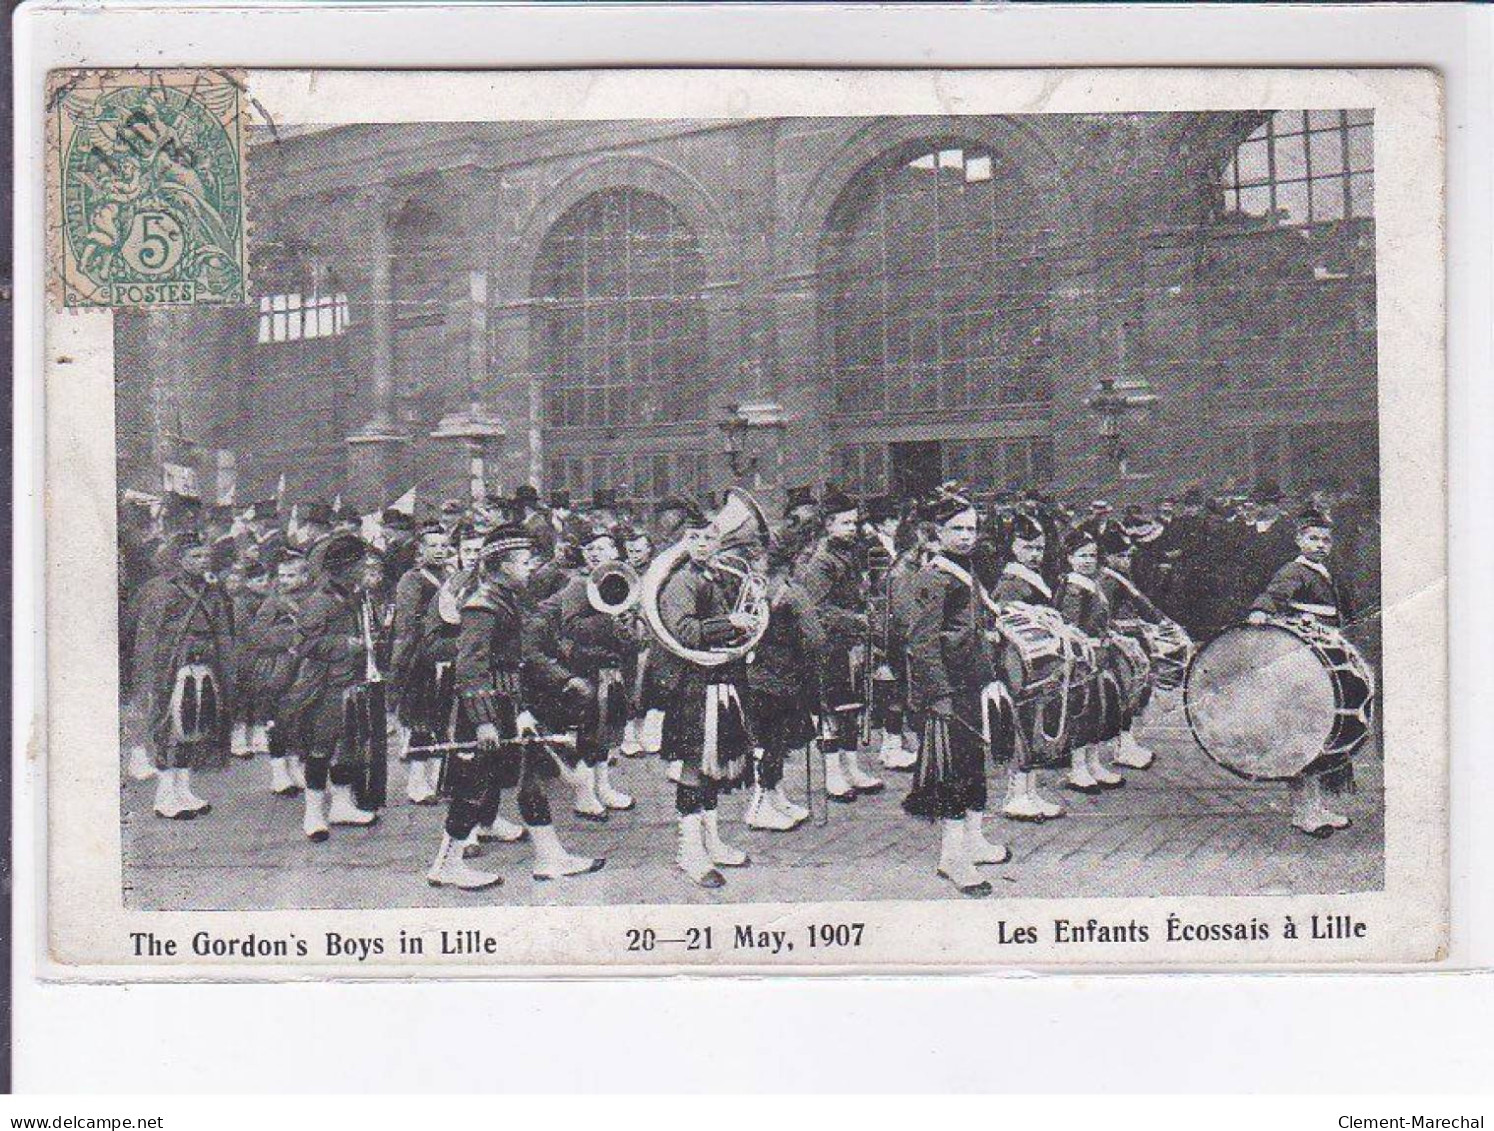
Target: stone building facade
{"points": [[675, 306]]}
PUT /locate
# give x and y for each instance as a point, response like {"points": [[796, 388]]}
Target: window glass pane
{"points": [[1327, 152], [264, 327], [622, 276], [910, 267], [1307, 171], [1251, 163], [1291, 158], [1042, 462], [1327, 199], [1285, 122], [1291, 203], [1255, 201]]}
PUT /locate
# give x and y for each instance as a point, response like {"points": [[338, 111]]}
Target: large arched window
{"points": [[935, 285], [1304, 167], [620, 318]]}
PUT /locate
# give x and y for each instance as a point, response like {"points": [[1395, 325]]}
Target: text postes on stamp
{"points": [[147, 188]]}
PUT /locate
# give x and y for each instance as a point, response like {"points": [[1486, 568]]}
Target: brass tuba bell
{"points": [[740, 513], [613, 589]]}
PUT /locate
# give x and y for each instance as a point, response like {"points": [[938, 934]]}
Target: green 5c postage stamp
{"points": [[146, 188]]}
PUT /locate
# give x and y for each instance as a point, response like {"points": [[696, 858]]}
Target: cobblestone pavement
{"points": [[1182, 827]]}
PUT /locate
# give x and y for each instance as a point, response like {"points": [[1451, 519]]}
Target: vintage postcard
{"points": [[512, 524]]}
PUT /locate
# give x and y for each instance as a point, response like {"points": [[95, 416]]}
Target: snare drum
{"points": [[1038, 662], [1268, 701]]}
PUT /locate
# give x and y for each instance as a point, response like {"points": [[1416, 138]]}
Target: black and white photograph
{"points": [[865, 508]]}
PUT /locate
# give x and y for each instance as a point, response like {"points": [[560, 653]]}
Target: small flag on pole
{"points": [[405, 503]]}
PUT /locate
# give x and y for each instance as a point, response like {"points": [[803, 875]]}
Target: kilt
{"points": [[506, 768], [950, 777], [602, 719], [268, 678], [321, 728], [210, 718], [706, 732], [1101, 716], [841, 681], [780, 723], [427, 696]]}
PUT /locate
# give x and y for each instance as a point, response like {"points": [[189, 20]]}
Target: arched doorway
{"points": [[934, 303], [619, 338]]}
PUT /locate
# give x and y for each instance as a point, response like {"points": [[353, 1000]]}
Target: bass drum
{"points": [[1267, 701]]}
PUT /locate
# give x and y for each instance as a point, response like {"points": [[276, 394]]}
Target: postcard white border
{"points": [[1456, 40]]}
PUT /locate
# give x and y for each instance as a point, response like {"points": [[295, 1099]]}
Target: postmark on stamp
{"points": [[146, 188]]}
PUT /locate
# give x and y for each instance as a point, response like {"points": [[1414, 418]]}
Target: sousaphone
{"points": [[741, 514]]}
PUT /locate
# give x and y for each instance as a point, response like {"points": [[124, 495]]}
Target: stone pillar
{"points": [[726, 351], [514, 388], [377, 452], [1082, 466], [473, 432], [799, 385]]}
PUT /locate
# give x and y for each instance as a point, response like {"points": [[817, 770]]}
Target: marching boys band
{"points": [[946, 638]]}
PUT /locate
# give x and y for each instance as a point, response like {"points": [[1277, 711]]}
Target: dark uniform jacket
{"points": [[695, 611], [412, 598], [328, 647], [1184, 554], [832, 581], [1305, 588], [902, 602], [269, 641], [182, 620], [948, 652], [1083, 605], [500, 668], [585, 640], [1265, 552], [1018, 583], [786, 662]]}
